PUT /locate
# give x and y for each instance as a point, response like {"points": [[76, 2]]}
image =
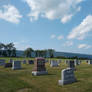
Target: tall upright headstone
{"points": [[71, 65], [16, 65], [76, 62], [89, 61], [68, 77], [2, 62], [39, 67], [10, 61]]}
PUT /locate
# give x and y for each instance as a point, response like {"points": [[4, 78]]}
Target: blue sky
{"points": [[64, 25]]}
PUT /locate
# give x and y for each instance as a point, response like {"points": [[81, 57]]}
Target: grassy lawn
{"points": [[23, 81]]}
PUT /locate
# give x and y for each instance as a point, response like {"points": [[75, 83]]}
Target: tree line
{"points": [[39, 53], [7, 50]]}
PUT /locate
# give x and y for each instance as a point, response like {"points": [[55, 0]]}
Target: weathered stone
{"points": [[16, 65], [68, 77], [2, 62], [39, 67], [54, 64]]}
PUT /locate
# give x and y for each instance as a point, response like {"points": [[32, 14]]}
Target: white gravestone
{"points": [[16, 65], [89, 61], [2, 62], [76, 62], [68, 77], [54, 64]]}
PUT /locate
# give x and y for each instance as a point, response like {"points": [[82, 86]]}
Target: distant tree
{"points": [[51, 52], [1, 49], [28, 52]]}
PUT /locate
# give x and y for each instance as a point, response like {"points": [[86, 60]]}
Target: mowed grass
{"points": [[23, 81]]}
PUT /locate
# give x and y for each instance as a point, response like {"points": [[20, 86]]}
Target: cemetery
{"points": [[20, 76]]}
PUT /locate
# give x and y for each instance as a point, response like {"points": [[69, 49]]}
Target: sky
{"points": [[63, 25]]}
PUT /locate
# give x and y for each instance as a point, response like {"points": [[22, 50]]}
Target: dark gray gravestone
{"points": [[16, 65], [7, 65], [68, 77], [10, 61], [2, 62], [71, 65], [30, 62]]}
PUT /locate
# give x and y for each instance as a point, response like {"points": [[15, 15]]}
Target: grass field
{"points": [[23, 81]]}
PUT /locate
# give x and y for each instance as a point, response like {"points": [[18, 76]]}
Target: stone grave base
{"points": [[15, 68], [35, 73], [66, 82]]}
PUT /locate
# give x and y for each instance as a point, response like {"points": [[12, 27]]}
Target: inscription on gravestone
{"points": [[2, 62], [39, 67], [68, 77], [16, 65]]}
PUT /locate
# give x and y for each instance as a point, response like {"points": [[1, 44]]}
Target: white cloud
{"points": [[10, 13], [68, 43], [60, 37], [22, 45], [84, 46], [53, 9], [53, 36], [81, 31], [66, 18]]}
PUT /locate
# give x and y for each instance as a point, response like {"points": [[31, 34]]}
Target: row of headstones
{"points": [[15, 64], [67, 75], [55, 63]]}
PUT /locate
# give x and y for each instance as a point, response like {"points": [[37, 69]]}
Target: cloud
{"points": [[81, 31], [68, 43], [10, 14], [22, 45], [84, 46], [53, 36], [53, 9], [60, 37]]}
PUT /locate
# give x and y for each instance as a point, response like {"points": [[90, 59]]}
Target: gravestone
{"points": [[79, 62], [59, 61], [89, 61], [7, 65], [66, 61], [76, 62], [39, 67], [30, 62], [71, 65], [16, 65], [2, 62], [24, 62], [54, 64], [10, 61], [68, 77]]}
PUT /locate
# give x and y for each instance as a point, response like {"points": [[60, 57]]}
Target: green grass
{"points": [[23, 81]]}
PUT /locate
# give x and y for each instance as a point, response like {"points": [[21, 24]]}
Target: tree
{"points": [[1, 48], [7, 50], [28, 52], [51, 52]]}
